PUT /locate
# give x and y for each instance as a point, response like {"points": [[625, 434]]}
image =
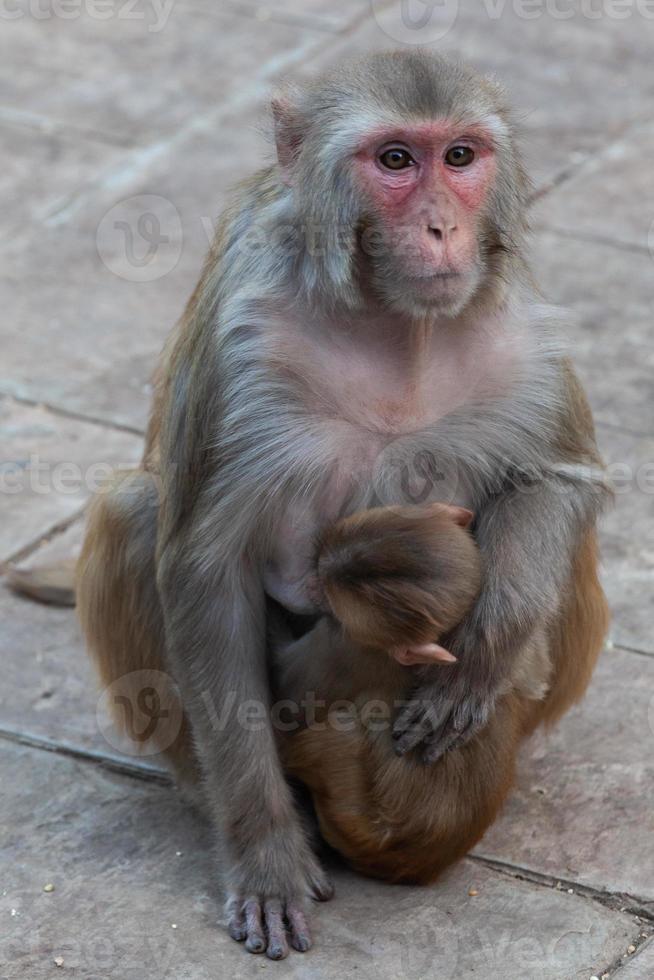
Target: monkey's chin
{"points": [[442, 295]]}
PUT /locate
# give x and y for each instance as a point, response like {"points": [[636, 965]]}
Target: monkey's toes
{"points": [[321, 886], [266, 926]]}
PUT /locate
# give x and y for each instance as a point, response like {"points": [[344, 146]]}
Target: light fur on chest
{"points": [[328, 420]]}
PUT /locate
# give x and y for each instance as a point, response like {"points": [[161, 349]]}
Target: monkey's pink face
{"points": [[426, 188]]}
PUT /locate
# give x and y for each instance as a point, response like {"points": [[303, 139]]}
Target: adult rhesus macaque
{"points": [[364, 333]]}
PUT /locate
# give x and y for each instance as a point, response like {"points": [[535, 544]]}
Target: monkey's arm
{"points": [[215, 629], [210, 583], [528, 536], [527, 540]]}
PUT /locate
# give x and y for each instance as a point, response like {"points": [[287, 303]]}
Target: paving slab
{"points": [[127, 905], [109, 281], [58, 164], [581, 809], [49, 688], [51, 693], [610, 196], [56, 547], [88, 346], [640, 966], [50, 467], [322, 15], [139, 74], [608, 293], [627, 538]]}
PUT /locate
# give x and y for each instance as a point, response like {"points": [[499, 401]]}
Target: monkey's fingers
{"points": [[425, 653], [267, 925], [468, 718], [236, 926], [321, 887], [415, 723], [255, 941], [277, 948], [299, 930], [442, 741]]}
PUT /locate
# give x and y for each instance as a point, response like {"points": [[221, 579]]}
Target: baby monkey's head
{"points": [[398, 578]]}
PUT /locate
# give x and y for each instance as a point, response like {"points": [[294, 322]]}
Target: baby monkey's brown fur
{"points": [[400, 576], [396, 575]]}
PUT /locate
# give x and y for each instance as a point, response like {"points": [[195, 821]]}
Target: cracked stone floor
{"points": [[165, 101]]}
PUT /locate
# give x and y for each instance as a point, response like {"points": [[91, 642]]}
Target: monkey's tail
{"points": [[53, 584]]}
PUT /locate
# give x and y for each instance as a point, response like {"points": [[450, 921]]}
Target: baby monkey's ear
{"points": [[423, 653], [460, 515]]}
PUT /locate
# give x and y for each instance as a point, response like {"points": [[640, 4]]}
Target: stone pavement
{"points": [[109, 111]]}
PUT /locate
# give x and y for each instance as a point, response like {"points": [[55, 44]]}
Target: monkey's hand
{"points": [[442, 716], [266, 910], [452, 703]]}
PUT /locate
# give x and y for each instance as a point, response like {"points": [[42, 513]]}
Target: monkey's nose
{"points": [[441, 229]]}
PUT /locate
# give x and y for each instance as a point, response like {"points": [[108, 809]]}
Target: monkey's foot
{"points": [[268, 924], [439, 720]]}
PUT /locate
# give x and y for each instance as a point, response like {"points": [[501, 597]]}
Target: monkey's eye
{"points": [[396, 159], [459, 156]]}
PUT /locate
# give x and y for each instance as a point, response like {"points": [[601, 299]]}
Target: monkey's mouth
{"points": [[437, 276], [436, 280], [441, 290]]}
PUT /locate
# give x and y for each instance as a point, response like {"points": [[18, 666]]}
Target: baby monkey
{"points": [[396, 579]]}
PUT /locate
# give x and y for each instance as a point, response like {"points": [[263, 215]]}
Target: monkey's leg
{"points": [[577, 636], [395, 818], [121, 616]]}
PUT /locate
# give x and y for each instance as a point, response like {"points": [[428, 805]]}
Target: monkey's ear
{"points": [[460, 515], [288, 134]]}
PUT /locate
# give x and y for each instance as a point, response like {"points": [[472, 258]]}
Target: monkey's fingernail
{"points": [[323, 893], [429, 756], [255, 944], [300, 937], [237, 932], [276, 951]]}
